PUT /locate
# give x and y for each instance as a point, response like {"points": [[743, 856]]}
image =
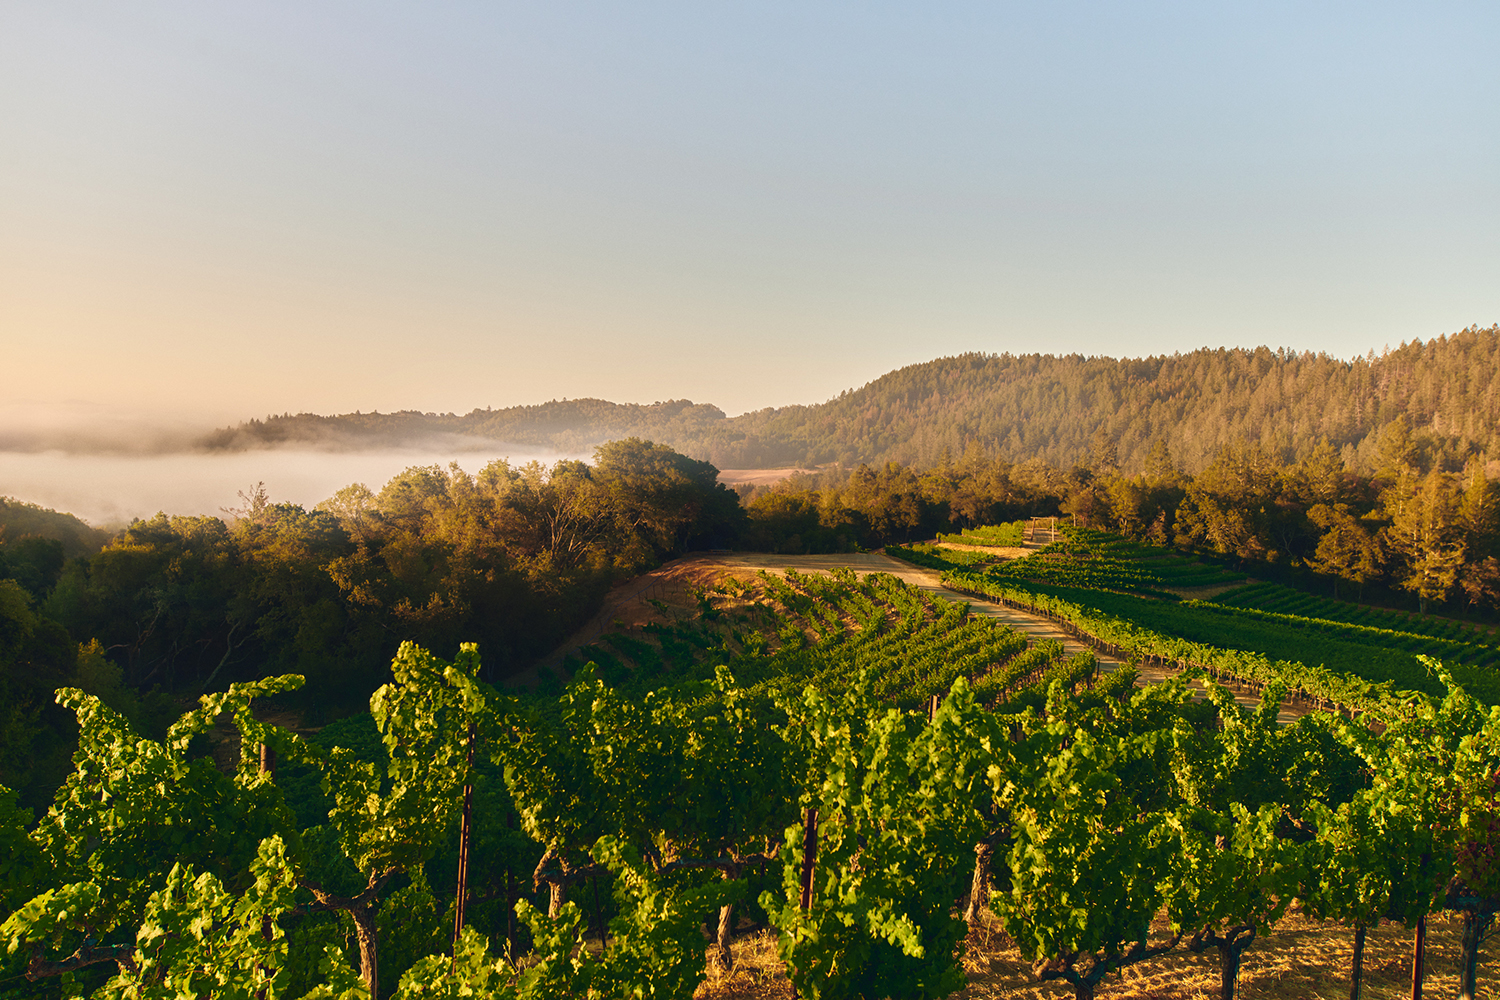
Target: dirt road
{"points": [[924, 579], [701, 569]]}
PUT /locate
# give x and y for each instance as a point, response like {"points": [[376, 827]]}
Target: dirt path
{"points": [[931, 581], [998, 551], [865, 563], [673, 584]]}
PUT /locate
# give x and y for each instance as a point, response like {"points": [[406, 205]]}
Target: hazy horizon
{"points": [[108, 491], [210, 214], [225, 212], [80, 428]]}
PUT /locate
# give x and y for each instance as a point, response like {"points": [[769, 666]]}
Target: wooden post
{"points": [[809, 857], [599, 916], [267, 760], [1419, 959], [465, 831], [1357, 967]]}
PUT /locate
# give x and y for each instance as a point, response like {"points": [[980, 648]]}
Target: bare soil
{"points": [[1300, 959], [998, 551]]}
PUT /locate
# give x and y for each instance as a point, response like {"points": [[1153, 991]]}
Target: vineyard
{"points": [[1328, 660], [995, 535], [1100, 560], [1285, 600], [784, 632], [930, 556], [858, 768]]}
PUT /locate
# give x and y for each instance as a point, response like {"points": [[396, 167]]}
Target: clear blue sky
{"points": [[229, 209]]}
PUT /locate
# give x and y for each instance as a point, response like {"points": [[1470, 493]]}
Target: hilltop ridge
{"points": [[1059, 409]]}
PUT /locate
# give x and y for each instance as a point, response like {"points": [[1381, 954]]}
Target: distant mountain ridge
{"points": [[569, 425], [1059, 409]]}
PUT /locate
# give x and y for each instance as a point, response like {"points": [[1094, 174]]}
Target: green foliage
{"points": [[20, 522], [134, 807], [197, 939], [1095, 833], [898, 807], [1106, 806], [655, 948], [1354, 669], [21, 862], [1282, 600], [999, 535], [931, 556], [514, 557], [1100, 560], [412, 926], [392, 821]]}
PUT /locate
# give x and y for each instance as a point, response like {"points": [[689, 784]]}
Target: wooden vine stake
{"points": [[809, 856], [599, 916], [1419, 959], [465, 831], [1357, 973]]}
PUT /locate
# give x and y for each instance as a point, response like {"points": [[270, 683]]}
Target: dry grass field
{"points": [[1301, 960]]}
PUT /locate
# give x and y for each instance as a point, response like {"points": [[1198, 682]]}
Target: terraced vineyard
{"points": [[786, 632], [1104, 561], [1326, 659], [995, 535], [930, 556], [1285, 600]]}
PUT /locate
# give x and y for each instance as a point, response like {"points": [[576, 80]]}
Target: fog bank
{"points": [[108, 490]]}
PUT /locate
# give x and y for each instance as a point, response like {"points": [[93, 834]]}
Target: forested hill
{"points": [[1059, 409], [572, 426], [22, 520]]}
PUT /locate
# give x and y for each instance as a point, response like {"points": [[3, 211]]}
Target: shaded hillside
{"points": [[572, 426], [19, 520], [1061, 410]]}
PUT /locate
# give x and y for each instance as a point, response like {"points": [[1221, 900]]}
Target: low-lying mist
{"points": [[109, 490]]}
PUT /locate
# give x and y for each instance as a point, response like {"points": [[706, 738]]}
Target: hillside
{"points": [[19, 519], [1057, 409], [569, 425]]}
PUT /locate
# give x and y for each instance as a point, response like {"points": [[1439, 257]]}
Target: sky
{"points": [[215, 211]]}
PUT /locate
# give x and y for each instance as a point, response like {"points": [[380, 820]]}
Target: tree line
{"points": [[1019, 407], [515, 557], [1413, 530]]}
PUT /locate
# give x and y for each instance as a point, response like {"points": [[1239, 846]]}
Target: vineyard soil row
{"points": [[1300, 959]]}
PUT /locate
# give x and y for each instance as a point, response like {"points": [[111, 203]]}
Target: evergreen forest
{"points": [[1018, 407]]}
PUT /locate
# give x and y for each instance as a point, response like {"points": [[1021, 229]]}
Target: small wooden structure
{"points": [[1037, 525]]}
